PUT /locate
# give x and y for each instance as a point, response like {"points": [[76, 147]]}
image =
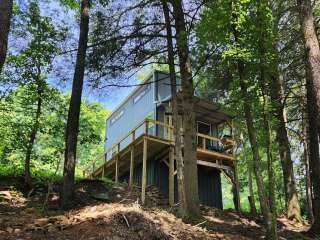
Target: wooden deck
{"points": [[124, 155]]}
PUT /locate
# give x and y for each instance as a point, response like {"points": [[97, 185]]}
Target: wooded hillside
{"points": [[259, 59]]}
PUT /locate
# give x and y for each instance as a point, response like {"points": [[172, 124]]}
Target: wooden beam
{"points": [[155, 139], [144, 170], [214, 165], [171, 176], [166, 163], [116, 177], [216, 154], [131, 166]]}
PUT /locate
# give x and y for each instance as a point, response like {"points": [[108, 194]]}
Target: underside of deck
{"points": [[157, 149]]}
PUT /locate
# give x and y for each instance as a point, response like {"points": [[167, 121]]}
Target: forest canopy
{"points": [[62, 62]]}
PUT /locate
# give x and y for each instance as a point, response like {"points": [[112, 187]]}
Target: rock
{"points": [[118, 196], [9, 230], [41, 221], [101, 196], [30, 210], [2, 232], [140, 233], [17, 230], [51, 228]]}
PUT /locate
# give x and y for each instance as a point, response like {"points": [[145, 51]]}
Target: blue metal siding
{"points": [[133, 114]]}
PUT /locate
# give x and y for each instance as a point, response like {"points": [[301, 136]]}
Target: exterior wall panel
{"points": [[133, 114]]}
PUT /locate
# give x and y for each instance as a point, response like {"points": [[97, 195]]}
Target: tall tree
{"points": [[277, 94], [72, 128], [30, 68], [5, 19], [188, 116], [176, 120], [312, 52]]}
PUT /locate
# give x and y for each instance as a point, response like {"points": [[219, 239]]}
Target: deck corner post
{"points": [[102, 173], [131, 166], [116, 178], [147, 126], [171, 176], [144, 170]]}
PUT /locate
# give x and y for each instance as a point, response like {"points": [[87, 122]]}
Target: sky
{"points": [[109, 97], [62, 74]]}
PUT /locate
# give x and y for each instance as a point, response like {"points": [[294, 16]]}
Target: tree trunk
{"points": [[251, 200], [312, 50], [32, 137], [291, 195], [189, 124], [175, 115], [5, 19], [307, 169], [267, 214], [74, 109], [272, 201]]}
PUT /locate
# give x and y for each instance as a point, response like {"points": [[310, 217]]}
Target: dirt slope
{"points": [[119, 216]]}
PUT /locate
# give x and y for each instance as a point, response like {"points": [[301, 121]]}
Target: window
{"points": [[137, 97], [116, 117]]}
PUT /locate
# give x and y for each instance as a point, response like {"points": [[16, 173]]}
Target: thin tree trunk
{"points": [[5, 19], [312, 50], [267, 214], [270, 221], [189, 127], [251, 199], [74, 109], [307, 169], [291, 194], [266, 121], [175, 113], [32, 137]]}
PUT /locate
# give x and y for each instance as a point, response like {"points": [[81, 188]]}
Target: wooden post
{"points": [[102, 174], [131, 166], [235, 173], [171, 176], [117, 164], [203, 143], [132, 159], [116, 177], [144, 170], [147, 126]]}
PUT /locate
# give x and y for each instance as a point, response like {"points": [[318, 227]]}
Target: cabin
{"points": [[139, 143]]}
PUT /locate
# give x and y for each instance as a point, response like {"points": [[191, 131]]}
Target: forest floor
{"points": [[105, 211]]}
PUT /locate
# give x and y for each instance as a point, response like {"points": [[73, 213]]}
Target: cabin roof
{"points": [[211, 111]]}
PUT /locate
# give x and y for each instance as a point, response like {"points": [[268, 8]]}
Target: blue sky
{"points": [[62, 74], [109, 97]]}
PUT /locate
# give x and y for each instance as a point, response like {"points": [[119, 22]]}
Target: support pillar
{"points": [[171, 176], [131, 166], [116, 178], [144, 170]]}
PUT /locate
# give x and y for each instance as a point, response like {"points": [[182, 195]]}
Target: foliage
{"points": [[16, 119]]}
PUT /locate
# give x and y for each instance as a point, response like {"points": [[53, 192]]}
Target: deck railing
{"points": [[150, 127], [206, 142]]}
